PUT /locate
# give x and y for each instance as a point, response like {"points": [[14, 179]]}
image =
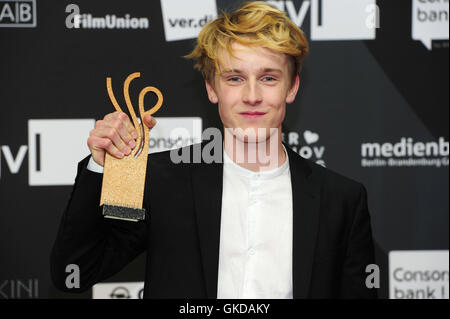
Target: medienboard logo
{"points": [[430, 21], [418, 274], [405, 153], [55, 146], [18, 14], [184, 19], [77, 20], [312, 150], [118, 290]]}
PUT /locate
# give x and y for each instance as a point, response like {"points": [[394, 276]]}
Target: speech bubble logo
{"points": [[429, 21]]}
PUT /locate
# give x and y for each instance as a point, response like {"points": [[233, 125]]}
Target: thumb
{"points": [[149, 121]]}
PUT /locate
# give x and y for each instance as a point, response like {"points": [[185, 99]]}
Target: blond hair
{"points": [[256, 24]]}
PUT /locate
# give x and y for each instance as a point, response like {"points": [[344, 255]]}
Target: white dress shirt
{"points": [[255, 256]]}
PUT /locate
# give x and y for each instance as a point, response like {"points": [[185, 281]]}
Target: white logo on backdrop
{"points": [[429, 21], [405, 153], [55, 148], [18, 13], [184, 19], [335, 20], [118, 290], [57, 145], [330, 19], [312, 150], [77, 20], [418, 274], [175, 132]]}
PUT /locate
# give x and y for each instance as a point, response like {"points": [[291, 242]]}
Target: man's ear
{"points": [[293, 90], [212, 96]]}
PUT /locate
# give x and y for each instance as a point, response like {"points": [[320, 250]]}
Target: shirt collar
{"points": [[264, 175]]}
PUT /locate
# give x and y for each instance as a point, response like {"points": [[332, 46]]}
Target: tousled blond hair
{"points": [[254, 24]]}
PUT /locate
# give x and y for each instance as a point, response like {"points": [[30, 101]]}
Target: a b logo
{"points": [[18, 13]]}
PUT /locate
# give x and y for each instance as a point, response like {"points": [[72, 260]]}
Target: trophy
{"points": [[124, 179]]}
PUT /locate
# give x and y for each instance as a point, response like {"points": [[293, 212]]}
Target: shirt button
{"points": [[251, 252]]}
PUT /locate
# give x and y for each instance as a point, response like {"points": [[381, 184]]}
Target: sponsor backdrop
{"points": [[373, 105]]}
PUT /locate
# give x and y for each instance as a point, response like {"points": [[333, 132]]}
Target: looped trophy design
{"points": [[124, 179]]}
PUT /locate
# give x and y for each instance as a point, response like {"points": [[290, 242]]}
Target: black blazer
{"points": [[332, 239]]}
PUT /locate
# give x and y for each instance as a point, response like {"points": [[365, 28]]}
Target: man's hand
{"points": [[114, 134]]}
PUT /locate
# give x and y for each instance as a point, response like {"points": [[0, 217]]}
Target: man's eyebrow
{"points": [[231, 71], [268, 70], [263, 70]]}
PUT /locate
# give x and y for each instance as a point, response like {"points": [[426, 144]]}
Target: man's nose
{"points": [[252, 94]]}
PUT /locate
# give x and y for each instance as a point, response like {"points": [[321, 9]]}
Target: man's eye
{"points": [[234, 79], [269, 79]]}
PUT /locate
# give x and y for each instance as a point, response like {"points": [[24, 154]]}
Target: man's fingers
{"points": [[123, 118], [113, 119], [113, 137], [149, 121], [105, 144], [110, 148], [116, 135], [121, 124], [99, 146]]}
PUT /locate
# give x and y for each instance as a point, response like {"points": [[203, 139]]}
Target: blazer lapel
{"points": [[207, 187], [305, 196]]}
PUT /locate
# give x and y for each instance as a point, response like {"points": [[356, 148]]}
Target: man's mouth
{"points": [[253, 114]]}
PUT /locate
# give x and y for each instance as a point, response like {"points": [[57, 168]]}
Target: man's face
{"points": [[252, 90]]}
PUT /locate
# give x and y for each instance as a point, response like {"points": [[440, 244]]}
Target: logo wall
{"points": [[56, 146]]}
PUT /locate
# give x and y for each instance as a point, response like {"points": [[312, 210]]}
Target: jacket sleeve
{"points": [[359, 254], [100, 247]]}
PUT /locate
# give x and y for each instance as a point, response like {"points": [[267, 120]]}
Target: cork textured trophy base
{"points": [[123, 185], [124, 179]]}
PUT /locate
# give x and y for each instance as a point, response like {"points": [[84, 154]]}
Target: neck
{"points": [[256, 156]]}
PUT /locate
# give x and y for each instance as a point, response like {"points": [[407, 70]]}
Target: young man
{"points": [[272, 226]]}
